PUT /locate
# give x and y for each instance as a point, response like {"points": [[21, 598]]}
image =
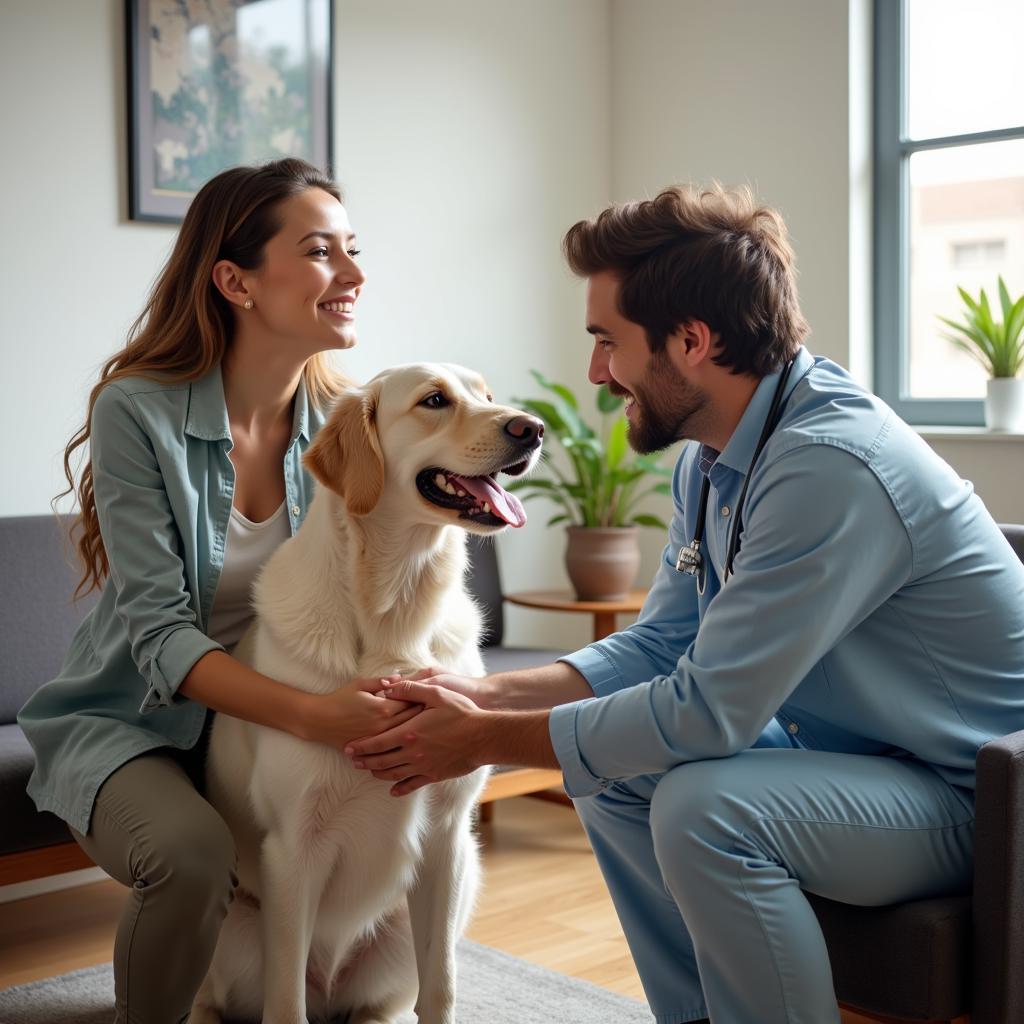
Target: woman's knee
{"points": [[197, 858]]}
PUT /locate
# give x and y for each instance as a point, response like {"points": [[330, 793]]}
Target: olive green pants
{"points": [[153, 831]]}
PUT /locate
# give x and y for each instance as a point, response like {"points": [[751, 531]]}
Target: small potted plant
{"points": [[999, 347], [598, 494]]}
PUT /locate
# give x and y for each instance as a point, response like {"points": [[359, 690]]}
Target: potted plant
{"points": [[999, 347], [598, 494]]}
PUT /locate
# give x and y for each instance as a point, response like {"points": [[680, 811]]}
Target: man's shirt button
{"points": [[725, 510], [793, 727]]}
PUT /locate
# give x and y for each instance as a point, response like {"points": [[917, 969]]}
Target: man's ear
{"points": [[346, 455], [692, 342]]}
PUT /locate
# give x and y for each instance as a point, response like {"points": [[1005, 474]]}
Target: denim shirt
{"points": [[876, 608], [163, 484]]}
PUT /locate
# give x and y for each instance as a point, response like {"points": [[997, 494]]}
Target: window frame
{"points": [[892, 152]]}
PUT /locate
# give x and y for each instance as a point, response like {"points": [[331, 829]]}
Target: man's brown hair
{"points": [[713, 255]]}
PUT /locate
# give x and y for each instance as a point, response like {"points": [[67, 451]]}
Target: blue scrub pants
{"points": [[706, 865]]}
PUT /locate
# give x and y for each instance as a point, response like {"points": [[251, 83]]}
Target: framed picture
{"points": [[217, 83]]}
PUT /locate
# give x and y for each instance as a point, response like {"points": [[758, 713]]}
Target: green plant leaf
{"points": [[626, 475], [559, 519], [547, 412], [617, 443], [606, 401], [600, 486], [544, 485], [568, 406], [559, 389], [1004, 300], [968, 300], [649, 520], [651, 465]]}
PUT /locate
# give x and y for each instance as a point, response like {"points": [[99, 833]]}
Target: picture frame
{"points": [[220, 83]]}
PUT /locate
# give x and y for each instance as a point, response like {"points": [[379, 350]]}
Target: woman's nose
{"points": [[350, 273]]}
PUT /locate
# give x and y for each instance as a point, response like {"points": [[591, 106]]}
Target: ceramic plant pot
{"points": [[602, 562], [1004, 404]]}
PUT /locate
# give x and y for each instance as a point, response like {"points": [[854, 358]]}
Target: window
{"points": [[949, 191]]}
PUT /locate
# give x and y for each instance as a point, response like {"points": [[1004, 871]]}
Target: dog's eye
{"points": [[435, 401]]}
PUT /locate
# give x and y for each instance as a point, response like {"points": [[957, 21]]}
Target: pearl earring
{"points": [[248, 303]]}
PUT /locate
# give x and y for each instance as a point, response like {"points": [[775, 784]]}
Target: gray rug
{"points": [[494, 988]]}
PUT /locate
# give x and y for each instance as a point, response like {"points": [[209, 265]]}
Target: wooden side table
{"points": [[604, 612], [520, 781]]}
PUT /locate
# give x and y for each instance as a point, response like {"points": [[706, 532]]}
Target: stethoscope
{"points": [[690, 560]]}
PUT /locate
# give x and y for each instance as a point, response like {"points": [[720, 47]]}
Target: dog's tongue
{"points": [[504, 505]]}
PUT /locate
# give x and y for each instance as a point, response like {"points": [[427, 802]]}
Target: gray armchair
{"points": [[940, 960]]}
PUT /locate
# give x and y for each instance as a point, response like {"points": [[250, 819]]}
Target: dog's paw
{"points": [[435, 1012]]}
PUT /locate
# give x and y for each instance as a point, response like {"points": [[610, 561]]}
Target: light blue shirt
{"points": [[163, 484], [876, 608]]}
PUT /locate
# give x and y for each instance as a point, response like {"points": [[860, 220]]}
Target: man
{"points": [[802, 709]]}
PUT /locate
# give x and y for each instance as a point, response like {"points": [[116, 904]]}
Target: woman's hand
{"points": [[449, 738], [357, 709], [481, 691]]}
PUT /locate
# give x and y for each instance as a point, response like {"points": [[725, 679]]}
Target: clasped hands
{"points": [[417, 730]]}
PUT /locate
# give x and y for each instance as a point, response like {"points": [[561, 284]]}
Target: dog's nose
{"points": [[525, 430]]}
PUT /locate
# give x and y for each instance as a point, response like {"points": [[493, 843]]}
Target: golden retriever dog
{"points": [[350, 900]]}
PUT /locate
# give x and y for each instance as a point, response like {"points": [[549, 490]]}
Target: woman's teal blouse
{"points": [[163, 485]]}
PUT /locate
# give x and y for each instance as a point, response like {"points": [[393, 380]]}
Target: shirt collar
{"points": [[739, 449], [208, 414]]}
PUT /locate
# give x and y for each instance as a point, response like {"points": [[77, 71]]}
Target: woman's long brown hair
{"points": [[186, 324]]}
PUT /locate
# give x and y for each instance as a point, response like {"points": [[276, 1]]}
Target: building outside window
{"points": [[949, 191]]}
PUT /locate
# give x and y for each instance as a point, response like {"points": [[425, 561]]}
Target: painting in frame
{"points": [[217, 83]]}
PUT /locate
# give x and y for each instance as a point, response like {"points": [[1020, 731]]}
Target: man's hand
{"points": [[481, 690], [359, 708], [447, 739]]}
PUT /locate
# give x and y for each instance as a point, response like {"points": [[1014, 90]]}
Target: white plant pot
{"points": [[1004, 404]]}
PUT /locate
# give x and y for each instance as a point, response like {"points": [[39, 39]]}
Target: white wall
{"points": [[775, 95], [73, 274], [468, 137]]}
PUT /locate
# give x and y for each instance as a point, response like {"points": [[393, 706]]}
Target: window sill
{"points": [[967, 434]]}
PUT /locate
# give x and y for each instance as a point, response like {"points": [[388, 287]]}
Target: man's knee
{"points": [[691, 807]]}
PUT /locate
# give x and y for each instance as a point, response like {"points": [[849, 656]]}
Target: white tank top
{"points": [[247, 546]]}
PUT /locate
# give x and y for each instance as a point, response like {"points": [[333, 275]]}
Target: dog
{"points": [[351, 901]]}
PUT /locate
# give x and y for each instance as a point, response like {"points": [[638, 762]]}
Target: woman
{"points": [[196, 431]]}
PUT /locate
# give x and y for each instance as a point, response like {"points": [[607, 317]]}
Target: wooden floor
{"points": [[543, 900]]}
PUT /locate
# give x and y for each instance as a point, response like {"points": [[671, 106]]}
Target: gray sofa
{"points": [[926, 960], [38, 618]]}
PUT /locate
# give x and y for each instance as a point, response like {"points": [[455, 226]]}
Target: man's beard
{"points": [[667, 407]]}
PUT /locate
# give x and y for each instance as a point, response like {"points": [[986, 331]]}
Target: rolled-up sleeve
{"points": [[143, 548], [823, 547]]}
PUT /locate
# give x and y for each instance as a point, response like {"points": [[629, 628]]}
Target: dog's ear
{"points": [[346, 455]]}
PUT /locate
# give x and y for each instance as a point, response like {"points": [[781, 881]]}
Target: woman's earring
{"points": [[247, 303]]}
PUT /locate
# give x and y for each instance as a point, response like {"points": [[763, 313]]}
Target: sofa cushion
{"points": [[37, 615], [1014, 533], [916, 956], [24, 828]]}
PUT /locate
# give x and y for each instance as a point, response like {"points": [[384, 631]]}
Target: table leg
{"points": [[604, 624]]}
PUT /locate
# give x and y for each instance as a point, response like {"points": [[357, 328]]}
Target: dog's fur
{"points": [[358, 897]]}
